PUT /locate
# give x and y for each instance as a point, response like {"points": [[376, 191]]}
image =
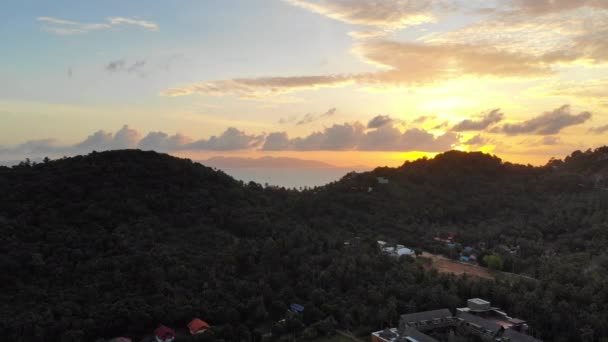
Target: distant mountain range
{"points": [[265, 162]]}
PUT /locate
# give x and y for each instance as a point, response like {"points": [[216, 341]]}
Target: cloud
{"points": [[68, 27], [555, 31], [255, 88], [307, 118], [115, 65], [592, 90], [231, 139], [420, 64], [404, 64], [99, 141], [477, 140], [379, 121], [386, 14], [121, 65], [127, 138], [353, 136], [330, 112], [484, 122], [548, 123], [539, 7], [598, 130], [367, 34], [161, 141], [423, 119], [288, 119], [277, 141], [549, 140], [148, 25]]}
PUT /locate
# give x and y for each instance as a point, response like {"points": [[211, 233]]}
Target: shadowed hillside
{"points": [[115, 243]]}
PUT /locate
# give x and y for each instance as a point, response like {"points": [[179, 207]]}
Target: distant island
{"points": [[264, 162]]}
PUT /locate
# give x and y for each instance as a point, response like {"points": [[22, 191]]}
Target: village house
{"points": [[478, 319], [396, 251]]}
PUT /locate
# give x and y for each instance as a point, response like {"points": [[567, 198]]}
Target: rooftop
{"points": [[426, 315], [479, 301]]}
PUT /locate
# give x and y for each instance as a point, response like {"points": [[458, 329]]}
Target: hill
{"points": [[114, 243]]}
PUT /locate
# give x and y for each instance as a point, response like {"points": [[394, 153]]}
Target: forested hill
{"points": [[115, 243]]}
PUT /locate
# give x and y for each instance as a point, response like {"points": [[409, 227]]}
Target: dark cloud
{"points": [[490, 118], [442, 125], [423, 119], [121, 65], [355, 136], [599, 130], [329, 113], [116, 65], [231, 139], [161, 141], [308, 118], [136, 67], [477, 140], [335, 138], [548, 123], [101, 140], [278, 141], [379, 121]]}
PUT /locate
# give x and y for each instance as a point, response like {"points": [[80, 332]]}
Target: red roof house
{"points": [[164, 334], [198, 326]]}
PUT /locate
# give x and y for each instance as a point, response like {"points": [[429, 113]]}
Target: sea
{"points": [[289, 177]]}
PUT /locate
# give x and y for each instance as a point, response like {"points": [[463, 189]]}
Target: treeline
{"points": [[115, 243]]}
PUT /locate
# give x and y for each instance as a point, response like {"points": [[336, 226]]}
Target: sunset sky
{"points": [[348, 82]]}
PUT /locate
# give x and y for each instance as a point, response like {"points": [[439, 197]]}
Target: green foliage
{"points": [[494, 262], [115, 243]]}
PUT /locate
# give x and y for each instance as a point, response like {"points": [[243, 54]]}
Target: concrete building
{"points": [[477, 319]]}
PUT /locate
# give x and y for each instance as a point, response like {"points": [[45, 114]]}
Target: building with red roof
{"points": [[164, 334]]}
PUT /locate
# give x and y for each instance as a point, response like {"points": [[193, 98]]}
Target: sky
{"points": [[347, 82]]}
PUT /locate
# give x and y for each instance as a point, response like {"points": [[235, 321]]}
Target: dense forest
{"points": [[116, 243]]}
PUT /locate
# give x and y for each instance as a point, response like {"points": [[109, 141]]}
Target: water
{"points": [[289, 177]]}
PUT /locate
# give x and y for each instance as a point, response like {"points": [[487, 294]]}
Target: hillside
{"points": [[115, 243]]}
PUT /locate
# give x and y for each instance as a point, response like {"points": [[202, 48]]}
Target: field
{"points": [[445, 265]]}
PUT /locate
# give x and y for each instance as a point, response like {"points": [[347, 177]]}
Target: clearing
{"points": [[445, 265]]}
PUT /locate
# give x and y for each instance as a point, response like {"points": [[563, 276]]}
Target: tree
{"points": [[493, 261]]}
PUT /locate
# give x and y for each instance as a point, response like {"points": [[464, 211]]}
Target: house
{"points": [[397, 250], [198, 326], [481, 327], [408, 335], [386, 335], [478, 319], [382, 180], [426, 320], [164, 334], [413, 335], [484, 309], [404, 251]]}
